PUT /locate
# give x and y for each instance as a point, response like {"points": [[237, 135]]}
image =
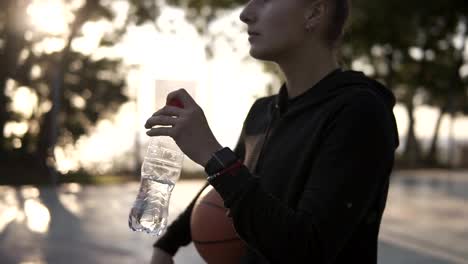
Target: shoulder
{"points": [[261, 105], [358, 107], [264, 101], [259, 114], [363, 98]]}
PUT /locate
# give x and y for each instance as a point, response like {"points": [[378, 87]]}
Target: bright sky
{"points": [[225, 87]]}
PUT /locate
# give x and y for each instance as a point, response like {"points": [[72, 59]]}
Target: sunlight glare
{"points": [[92, 35], [464, 71], [24, 101], [363, 64], [38, 216], [49, 45], [15, 128], [49, 16], [71, 188], [71, 202], [8, 206], [36, 71], [30, 192], [65, 160], [17, 143]]}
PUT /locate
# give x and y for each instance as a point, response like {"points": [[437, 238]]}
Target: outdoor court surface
{"points": [[426, 221]]}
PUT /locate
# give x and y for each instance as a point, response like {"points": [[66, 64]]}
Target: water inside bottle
{"points": [[150, 210], [159, 169], [159, 172]]}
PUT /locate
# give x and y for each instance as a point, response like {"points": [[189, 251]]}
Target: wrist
{"points": [[208, 154]]}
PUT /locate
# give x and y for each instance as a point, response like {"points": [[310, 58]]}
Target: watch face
{"points": [[213, 166], [220, 160], [226, 156]]}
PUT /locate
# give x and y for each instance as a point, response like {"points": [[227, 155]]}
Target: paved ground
{"points": [[426, 221], [427, 213]]}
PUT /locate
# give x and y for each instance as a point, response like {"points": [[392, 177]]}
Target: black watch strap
{"points": [[220, 160]]}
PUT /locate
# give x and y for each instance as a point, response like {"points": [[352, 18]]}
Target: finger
{"points": [[169, 111], [159, 131], [160, 120], [181, 95], [176, 102]]}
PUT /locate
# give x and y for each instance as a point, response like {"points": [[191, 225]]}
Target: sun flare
{"points": [[49, 16]]}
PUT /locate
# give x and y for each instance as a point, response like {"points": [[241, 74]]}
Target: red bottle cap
{"points": [[176, 102]]}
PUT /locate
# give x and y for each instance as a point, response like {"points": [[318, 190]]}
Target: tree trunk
{"points": [[50, 125], [13, 44], [431, 157], [3, 114], [412, 151], [44, 143]]}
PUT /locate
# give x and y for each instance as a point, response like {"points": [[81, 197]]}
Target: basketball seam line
{"points": [[213, 205]]}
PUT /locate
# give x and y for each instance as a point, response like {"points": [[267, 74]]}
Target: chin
{"points": [[263, 55]]}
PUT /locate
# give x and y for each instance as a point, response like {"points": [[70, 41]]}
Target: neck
{"points": [[304, 69]]}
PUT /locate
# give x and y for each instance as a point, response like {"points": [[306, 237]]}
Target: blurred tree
{"points": [[202, 12], [411, 48], [11, 44], [448, 89], [381, 34], [388, 35], [74, 89]]}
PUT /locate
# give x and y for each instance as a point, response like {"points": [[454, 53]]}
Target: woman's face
{"points": [[280, 25]]}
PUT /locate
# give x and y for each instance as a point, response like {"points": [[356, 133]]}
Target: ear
{"points": [[314, 14]]}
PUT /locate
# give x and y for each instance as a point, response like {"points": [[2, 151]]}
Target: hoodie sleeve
{"points": [[178, 232], [355, 157]]}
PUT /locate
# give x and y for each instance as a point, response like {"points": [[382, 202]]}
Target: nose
{"points": [[246, 15]]}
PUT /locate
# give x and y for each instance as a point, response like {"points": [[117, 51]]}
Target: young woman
{"points": [[317, 156]]}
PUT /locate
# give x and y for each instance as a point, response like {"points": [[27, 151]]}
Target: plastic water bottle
{"points": [[160, 171]]}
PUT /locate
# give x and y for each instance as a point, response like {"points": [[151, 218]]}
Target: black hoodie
{"points": [[315, 178]]}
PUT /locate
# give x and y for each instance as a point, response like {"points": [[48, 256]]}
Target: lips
{"points": [[252, 37], [252, 33]]}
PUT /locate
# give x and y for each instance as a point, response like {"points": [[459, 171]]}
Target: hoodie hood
{"points": [[332, 85]]}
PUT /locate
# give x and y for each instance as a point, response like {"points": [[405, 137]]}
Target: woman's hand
{"points": [[187, 126], [161, 257]]}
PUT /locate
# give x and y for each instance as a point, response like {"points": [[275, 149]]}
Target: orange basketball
{"points": [[213, 233]]}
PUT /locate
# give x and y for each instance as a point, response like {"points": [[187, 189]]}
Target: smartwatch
{"points": [[220, 160]]}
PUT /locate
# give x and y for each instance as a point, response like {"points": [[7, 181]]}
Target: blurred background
{"points": [[79, 78]]}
